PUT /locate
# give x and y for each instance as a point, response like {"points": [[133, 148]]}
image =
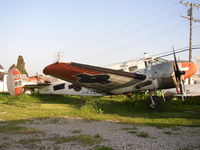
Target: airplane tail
{"points": [[2, 72], [14, 82]]}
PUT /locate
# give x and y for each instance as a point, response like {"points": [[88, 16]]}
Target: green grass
{"points": [[131, 128], [132, 132], [30, 143], [143, 134], [77, 131], [114, 108], [168, 132], [84, 139], [13, 127], [103, 148]]}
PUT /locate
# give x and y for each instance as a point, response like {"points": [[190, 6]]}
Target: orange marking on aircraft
{"points": [[66, 70], [192, 68]]}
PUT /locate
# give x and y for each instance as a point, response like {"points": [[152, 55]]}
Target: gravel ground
{"points": [[112, 134]]}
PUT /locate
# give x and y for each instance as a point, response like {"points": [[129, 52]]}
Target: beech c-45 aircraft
{"points": [[168, 74]]}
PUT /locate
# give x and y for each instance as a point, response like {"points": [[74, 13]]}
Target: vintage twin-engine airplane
{"points": [[160, 76]]}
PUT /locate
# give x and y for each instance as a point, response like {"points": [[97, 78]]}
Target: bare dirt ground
{"points": [[112, 135]]}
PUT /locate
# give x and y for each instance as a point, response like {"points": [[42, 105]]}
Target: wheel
{"points": [[154, 103], [28, 91], [168, 98]]}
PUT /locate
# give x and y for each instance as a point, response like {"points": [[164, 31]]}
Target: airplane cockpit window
{"points": [[153, 61]]}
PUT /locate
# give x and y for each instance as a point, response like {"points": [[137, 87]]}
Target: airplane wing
{"points": [[100, 79]]}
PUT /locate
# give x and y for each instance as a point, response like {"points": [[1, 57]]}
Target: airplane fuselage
{"points": [[103, 80]]}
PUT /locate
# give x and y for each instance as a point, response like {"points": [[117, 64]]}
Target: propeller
{"points": [[179, 77]]}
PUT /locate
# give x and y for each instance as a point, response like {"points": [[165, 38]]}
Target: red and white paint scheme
{"points": [[190, 69], [14, 82], [162, 75], [156, 75]]}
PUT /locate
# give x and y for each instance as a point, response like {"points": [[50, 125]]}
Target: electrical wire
{"points": [[138, 29], [138, 42], [169, 51], [179, 51], [125, 26]]}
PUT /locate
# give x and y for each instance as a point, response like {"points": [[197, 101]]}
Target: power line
{"points": [[138, 29], [177, 51], [169, 51], [150, 38], [125, 26]]}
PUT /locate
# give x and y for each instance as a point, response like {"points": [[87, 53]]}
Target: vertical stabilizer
{"points": [[14, 82], [2, 72]]}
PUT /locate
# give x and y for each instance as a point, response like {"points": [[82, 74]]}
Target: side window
{"points": [[59, 87]]}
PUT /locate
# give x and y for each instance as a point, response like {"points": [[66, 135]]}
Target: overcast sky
{"points": [[96, 32]]}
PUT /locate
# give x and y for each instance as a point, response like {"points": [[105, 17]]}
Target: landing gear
{"points": [[28, 91], [154, 102]]}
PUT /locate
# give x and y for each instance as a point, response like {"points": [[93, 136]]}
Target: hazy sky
{"points": [[96, 32]]}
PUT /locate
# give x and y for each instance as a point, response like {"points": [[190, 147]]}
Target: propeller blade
{"points": [[175, 61], [178, 76]]}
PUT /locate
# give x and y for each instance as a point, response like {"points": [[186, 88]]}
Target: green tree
{"points": [[13, 66], [21, 65]]}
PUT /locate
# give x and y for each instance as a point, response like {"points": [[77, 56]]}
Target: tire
{"points": [[158, 103], [168, 98], [28, 91]]}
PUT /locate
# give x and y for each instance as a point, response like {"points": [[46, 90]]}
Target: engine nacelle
{"points": [[164, 74]]}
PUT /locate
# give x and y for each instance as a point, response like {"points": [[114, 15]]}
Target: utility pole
{"points": [[191, 19], [58, 56]]}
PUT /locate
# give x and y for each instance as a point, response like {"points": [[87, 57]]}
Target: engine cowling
{"points": [[164, 74]]}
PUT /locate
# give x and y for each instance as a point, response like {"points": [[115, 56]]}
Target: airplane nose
{"points": [[190, 68], [50, 69], [59, 70]]}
